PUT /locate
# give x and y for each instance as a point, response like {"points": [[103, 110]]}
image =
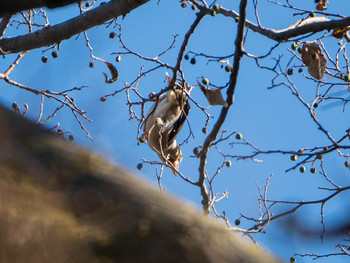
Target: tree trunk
{"points": [[61, 203]]}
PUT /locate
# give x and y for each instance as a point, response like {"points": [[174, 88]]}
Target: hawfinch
{"points": [[162, 124]]}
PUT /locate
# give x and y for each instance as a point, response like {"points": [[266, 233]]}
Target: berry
{"points": [[313, 170], [237, 19], [151, 96], [118, 58], [183, 5], [139, 166], [212, 12], [196, 151], [239, 136], [103, 99], [91, 64], [347, 164], [293, 157], [302, 169], [193, 7], [347, 77], [315, 105], [290, 71], [292, 260], [71, 137], [205, 81], [87, 4], [301, 152], [294, 46], [300, 70], [216, 7], [228, 163], [193, 61], [319, 156], [228, 68], [59, 131], [187, 57], [44, 59], [312, 14], [205, 130], [237, 222], [299, 50], [112, 35], [54, 54]]}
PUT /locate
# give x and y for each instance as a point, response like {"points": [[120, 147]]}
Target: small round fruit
{"points": [[87, 4], [183, 5], [112, 35], [59, 131], [118, 58], [205, 81], [103, 99], [302, 169], [228, 68], [237, 222], [205, 130], [294, 46], [139, 166], [347, 164], [193, 7], [300, 70], [239, 136], [290, 71], [292, 260], [71, 137], [54, 54], [193, 61], [186, 57], [196, 151], [293, 157], [44, 59], [315, 105], [301, 152], [313, 170], [216, 7], [347, 77], [312, 14], [91, 64], [299, 50], [212, 12], [237, 19], [228, 163]]}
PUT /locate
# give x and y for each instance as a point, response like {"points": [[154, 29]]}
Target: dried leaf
{"points": [[313, 58], [321, 5], [114, 73], [213, 96], [340, 32]]}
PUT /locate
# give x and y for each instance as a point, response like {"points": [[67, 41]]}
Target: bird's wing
{"points": [[179, 123]]}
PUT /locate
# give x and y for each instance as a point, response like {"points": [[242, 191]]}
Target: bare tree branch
{"points": [[55, 34]]}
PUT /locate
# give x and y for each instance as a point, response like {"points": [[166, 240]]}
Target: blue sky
{"points": [[271, 119]]}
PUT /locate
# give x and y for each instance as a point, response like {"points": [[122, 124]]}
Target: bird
{"points": [[163, 123]]}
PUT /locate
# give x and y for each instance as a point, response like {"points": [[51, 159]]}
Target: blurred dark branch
{"points": [[14, 6], [57, 33], [4, 23]]}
